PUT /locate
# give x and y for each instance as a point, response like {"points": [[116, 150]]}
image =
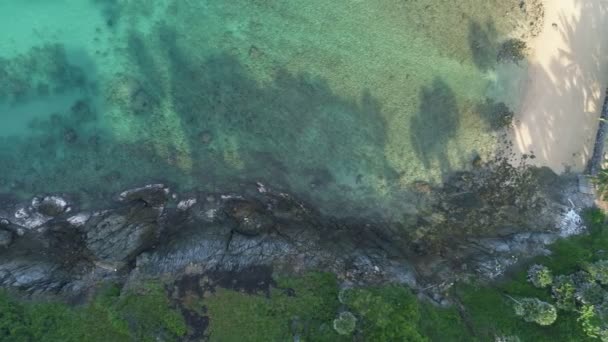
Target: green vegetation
{"points": [[304, 306], [601, 182], [563, 291], [490, 315], [345, 323], [576, 291], [561, 297], [598, 270], [535, 310], [310, 307], [540, 276], [388, 314], [142, 315]]}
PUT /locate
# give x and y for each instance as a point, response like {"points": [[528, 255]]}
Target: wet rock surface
{"points": [[52, 206], [477, 224], [152, 195], [6, 237], [120, 235]]}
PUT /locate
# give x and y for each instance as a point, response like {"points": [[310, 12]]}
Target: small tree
{"points": [[592, 322], [590, 293], [345, 323], [540, 276], [535, 310], [563, 291]]}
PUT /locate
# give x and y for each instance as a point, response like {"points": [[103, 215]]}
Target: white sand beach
{"points": [[565, 87]]}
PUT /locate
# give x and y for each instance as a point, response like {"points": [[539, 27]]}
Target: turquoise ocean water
{"points": [[344, 103]]}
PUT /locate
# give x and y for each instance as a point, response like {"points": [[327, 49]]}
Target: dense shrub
{"points": [[540, 276], [145, 316], [535, 310], [563, 291], [594, 321], [345, 323], [598, 270], [387, 314]]}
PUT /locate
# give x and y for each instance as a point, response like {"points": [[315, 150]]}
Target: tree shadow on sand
{"points": [[566, 97], [435, 124], [483, 44]]}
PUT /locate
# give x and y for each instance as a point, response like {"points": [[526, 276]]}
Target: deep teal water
{"points": [[344, 103]]}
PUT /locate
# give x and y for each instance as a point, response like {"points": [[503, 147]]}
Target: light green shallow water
{"points": [[344, 103]]}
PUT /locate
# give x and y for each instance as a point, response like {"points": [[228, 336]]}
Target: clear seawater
{"points": [[344, 103]]}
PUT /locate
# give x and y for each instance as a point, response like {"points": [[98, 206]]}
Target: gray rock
{"points": [[6, 238], [468, 228], [153, 195], [28, 217], [79, 219], [31, 274], [251, 217], [119, 235], [52, 206], [496, 245]]}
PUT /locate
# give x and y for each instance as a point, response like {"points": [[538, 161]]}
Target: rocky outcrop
{"points": [[51, 206], [6, 237], [154, 195], [477, 224], [120, 235]]}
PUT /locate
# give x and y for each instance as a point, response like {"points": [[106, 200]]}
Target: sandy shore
{"points": [[564, 90]]}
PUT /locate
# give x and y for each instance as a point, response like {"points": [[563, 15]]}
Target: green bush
{"points": [[593, 320], [387, 314], [345, 323], [540, 276], [149, 314], [563, 291], [443, 324], [535, 310], [589, 293], [300, 306], [14, 322], [109, 317], [598, 270]]}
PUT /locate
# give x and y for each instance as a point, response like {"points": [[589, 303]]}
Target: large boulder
{"points": [[251, 217], [51, 206], [120, 235]]}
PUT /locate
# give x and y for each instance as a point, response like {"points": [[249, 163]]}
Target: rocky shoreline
{"points": [[476, 225]]}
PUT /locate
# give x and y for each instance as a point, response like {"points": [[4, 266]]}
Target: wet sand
{"points": [[563, 93]]}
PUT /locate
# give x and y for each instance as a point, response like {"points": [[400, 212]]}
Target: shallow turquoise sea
{"points": [[344, 103]]}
